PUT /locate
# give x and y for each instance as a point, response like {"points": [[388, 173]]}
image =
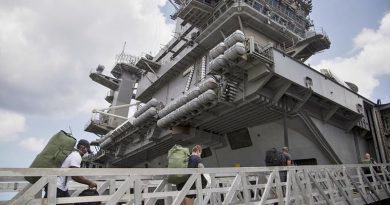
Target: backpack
{"points": [[54, 153], [89, 192], [178, 157], [273, 157]]}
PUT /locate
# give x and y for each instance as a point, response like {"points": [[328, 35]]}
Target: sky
{"points": [[48, 48]]}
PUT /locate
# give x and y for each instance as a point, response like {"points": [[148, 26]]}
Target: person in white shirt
{"points": [[73, 161]]}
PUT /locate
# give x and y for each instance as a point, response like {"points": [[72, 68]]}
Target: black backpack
{"points": [[273, 157], [89, 192]]}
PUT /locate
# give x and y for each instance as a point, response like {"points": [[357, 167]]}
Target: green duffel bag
{"points": [[178, 157], [54, 153]]}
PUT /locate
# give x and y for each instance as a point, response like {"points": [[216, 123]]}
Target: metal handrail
{"points": [[304, 184]]}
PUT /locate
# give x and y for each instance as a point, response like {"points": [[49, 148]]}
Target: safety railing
{"points": [[321, 184]]}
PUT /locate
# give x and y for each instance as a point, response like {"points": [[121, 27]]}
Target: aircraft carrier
{"points": [[234, 79]]}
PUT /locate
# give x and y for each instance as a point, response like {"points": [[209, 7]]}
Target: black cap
{"points": [[85, 143]]}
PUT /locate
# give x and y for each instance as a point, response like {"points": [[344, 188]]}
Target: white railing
{"points": [[322, 184]]}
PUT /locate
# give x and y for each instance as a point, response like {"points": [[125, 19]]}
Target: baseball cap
{"points": [[85, 143]]}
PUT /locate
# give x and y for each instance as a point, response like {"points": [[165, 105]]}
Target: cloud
{"points": [[33, 144], [11, 125], [369, 62], [47, 49]]}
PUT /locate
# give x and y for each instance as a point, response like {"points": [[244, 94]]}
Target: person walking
{"points": [[287, 156], [195, 161], [73, 161]]}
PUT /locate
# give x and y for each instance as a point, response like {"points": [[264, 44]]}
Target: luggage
{"points": [[273, 157], [54, 153], [178, 157], [89, 192]]}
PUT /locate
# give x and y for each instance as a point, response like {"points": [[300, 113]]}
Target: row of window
{"points": [[278, 19]]}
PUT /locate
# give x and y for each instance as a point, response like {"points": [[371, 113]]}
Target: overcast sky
{"points": [[48, 48]]}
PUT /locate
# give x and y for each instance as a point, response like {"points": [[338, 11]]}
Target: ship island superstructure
{"points": [[234, 79]]}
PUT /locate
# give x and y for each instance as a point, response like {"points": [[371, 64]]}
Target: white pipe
{"points": [[193, 107], [236, 36], [151, 103], [118, 106], [150, 113], [218, 64], [106, 142], [217, 50], [105, 137], [187, 111], [110, 133], [109, 114], [192, 93], [207, 99], [235, 51], [171, 106], [208, 84]]}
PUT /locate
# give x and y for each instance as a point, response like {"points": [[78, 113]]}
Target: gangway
{"points": [[319, 184]]}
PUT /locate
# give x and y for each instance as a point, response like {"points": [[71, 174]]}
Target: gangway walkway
{"points": [[321, 184]]}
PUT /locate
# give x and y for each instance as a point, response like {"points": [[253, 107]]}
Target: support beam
{"points": [[341, 190], [280, 92], [299, 105], [151, 69], [267, 188], [240, 23], [330, 113], [179, 198], [223, 35], [320, 189], [114, 199], [31, 192], [232, 190]]}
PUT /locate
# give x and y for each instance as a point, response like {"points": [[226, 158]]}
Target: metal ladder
{"points": [[320, 184]]}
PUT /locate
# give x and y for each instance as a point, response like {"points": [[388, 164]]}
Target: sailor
{"points": [[73, 161], [195, 161], [366, 170], [367, 159], [287, 156]]}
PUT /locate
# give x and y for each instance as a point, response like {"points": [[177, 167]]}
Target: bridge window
{"points": [[239, 139]]}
